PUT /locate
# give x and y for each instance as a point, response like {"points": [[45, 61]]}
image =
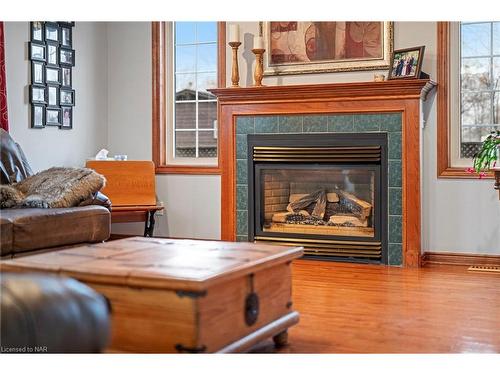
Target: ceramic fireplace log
{"points": [[330, 197], [348, 220], [356, 205], [318, 197]]}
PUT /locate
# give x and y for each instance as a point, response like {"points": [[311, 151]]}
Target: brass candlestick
{"points": [[259, 66], [235, 74]]}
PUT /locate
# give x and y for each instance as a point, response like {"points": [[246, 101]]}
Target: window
{"points": [[480, 83], [188, 59], [468, 92]]}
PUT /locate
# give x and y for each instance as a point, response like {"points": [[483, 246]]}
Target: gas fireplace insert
{"points": [[326, 192]]}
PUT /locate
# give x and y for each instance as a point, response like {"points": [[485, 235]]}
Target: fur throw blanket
{"points": [[52, 188]]}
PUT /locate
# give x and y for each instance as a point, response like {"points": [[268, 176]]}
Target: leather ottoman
{"points": [[49, 314]]}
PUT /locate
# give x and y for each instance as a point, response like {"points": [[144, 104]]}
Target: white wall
{"points": [[457, 215], [192, 202], [113, 82], [50, 147]]}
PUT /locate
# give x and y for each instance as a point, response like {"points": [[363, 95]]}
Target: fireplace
{"points": [[326, 192], [392, 107]]}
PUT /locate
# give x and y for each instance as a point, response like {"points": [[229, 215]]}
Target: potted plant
{"points": [[488, 155]]}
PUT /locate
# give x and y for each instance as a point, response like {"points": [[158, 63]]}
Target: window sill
{"points": [[460, 173], [187, 169]]}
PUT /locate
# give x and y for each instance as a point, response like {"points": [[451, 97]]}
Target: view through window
{"points": [[195, 71], [480, 83]]}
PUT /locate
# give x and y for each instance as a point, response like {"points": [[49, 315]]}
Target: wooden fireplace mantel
{"points": [[414, 88], [403, 96]]}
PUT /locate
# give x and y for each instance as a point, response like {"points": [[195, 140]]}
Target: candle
{"points": [[258, 42], [234, 33]]}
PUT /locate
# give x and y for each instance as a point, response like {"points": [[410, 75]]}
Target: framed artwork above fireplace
{"points": [[296, 47]]}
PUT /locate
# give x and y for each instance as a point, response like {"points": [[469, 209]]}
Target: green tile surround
{"points": [[389, 123]]}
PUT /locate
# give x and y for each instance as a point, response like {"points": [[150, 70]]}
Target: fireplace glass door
{"points": [[324, 192], [317, 200]]}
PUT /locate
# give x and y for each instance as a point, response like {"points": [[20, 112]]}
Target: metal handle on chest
{"points": [[251, 304]]}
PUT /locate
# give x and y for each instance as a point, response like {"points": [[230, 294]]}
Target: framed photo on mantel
{"points": [[407, 63], [297, 47]]}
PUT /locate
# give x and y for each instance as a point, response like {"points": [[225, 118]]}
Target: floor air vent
{"points": [[484, 269]]}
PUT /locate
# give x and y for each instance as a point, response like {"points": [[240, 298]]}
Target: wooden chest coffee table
{"points": [[182, 295]]}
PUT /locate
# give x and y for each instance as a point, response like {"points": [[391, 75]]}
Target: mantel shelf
{"points": [[400, 89]]}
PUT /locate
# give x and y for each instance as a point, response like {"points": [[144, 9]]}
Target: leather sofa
{"points": [[50, 314], [25, 230]]}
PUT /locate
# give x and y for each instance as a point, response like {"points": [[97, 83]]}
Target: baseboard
{"points": [[460, 259]]}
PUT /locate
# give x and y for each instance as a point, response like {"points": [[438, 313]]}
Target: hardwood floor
{"points": [[350, 308]]}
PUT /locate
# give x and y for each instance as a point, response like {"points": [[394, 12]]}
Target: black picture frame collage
{"points": [[52, 59]]}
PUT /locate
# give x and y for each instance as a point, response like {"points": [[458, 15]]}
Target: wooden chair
{"points": [[130, 185]]}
